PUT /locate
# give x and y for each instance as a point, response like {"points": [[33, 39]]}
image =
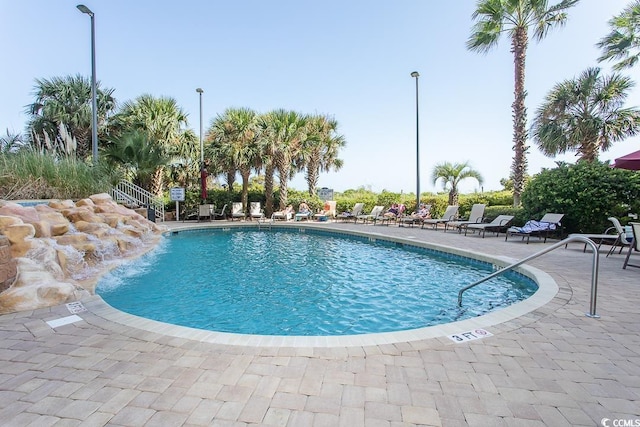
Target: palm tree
{"points": [[585, 115], [516, 18], [65, 103], [138, 155], [282, 137], [319, 152], [11, 143], [164, 122], [623, 42], [451, 174], [235, 133]]}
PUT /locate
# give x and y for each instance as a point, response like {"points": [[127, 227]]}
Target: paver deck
{"points": [[551, 367]]}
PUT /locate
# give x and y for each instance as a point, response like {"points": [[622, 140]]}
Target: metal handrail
{"points": [[594, 270], [133, 193]]}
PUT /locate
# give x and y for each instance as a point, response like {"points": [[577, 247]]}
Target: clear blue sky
{"points": [[349, 59]]}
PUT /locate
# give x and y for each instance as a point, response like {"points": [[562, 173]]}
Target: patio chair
{"points": [[255, 211], [475, 217], [625, 238], [548, 225], [385, 218], [284, 215], [205, 211], [414, 218], [222, 214], [499, 224], [377, 210], [353, 214], [236, 211], [449, 215], [612, 235], [635, 244], [328, 211]]}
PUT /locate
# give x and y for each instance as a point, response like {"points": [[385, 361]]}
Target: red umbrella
{"points": [[203, 183], [630, 161]]}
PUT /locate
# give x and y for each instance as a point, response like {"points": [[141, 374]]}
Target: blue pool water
{"points": [[286, 282]]}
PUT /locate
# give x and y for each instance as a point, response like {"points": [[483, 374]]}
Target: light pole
{"points": [[416, 75], [203, 172], [94, 101], [199, 90]]}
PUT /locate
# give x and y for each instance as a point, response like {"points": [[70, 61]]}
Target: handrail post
{"points": [[594, 270]]}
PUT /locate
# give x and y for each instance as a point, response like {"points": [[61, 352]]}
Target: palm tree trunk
{"points": [[268, 188], [284, 170], [231, 178], [519, 166], [312, 177], [157, 182], [245, 188]]}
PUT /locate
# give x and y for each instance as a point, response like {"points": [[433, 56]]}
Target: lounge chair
{"points": [[612, 235], [377, 210], [548, 225], [255, 211], [385, 218], [499, 223], [328, 211], [475, 217], [353, 214], [449, 215], [205, 211], [284, 215], [635, 244], [625, 238], [412, 219], [237, 211], [222, 214]]}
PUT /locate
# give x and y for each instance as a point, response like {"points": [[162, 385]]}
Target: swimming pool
{"points": [[288, 282]]}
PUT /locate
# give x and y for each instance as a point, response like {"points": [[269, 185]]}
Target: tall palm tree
{"points": [[585, 114], [282, 136], [319, 152], [164, 122], [451, 174], [66, 101], [516, 18], [236, 134], [623, 42]]}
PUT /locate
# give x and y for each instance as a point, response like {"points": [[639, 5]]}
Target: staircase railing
{"points": [[130, 194], [594, 270]]}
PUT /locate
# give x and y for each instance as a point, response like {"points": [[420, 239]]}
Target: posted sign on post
{"points": [[176, 194]]}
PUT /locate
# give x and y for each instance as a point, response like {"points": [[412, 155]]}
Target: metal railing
{"points": [[594, 270], [128, 193]]}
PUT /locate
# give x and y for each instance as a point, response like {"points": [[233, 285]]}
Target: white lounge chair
{"points": [[328, 211], [255, 211], [635, 244], [499, 223], [413, 219], [353, 214], [205, 211], [236, 211], [449, 215], [612, 235], [377, 210], [625, 238], [475, 217], [548, 225]]}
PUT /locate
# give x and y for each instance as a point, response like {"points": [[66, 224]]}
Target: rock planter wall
{"points": [[57, 252]]}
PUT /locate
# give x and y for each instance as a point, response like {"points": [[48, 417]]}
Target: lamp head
{"points": [[415, 74], [84, 9], [199, 90]]}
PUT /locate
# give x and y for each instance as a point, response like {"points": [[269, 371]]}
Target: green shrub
{"points": [[587, 193]]}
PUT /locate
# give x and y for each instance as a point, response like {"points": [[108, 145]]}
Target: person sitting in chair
{"points": [[423, 212]]}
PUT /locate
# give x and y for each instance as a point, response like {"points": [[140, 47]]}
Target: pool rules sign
{"points": [[176, 194]]}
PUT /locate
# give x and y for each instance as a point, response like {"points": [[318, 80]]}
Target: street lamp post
{"points": [[416, 75], [199, 90], [94, 102], [203, 172]]}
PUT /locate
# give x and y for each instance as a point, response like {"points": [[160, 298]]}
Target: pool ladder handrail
{"points": [[594, 270]]}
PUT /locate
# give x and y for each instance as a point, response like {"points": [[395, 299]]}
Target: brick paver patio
{"points": [[551, 367]]}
